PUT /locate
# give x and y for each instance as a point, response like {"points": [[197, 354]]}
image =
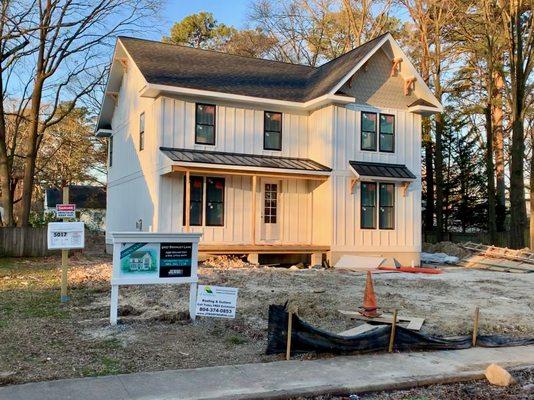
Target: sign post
{"points": [[64, 255], [148, 258]]}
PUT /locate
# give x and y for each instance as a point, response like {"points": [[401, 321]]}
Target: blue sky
{"points": [[230, 12]]}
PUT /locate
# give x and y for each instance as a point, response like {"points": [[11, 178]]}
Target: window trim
{"points": [[206, 202], [214, 123], [374, 206], [381, 133], [362, 131], [142, 132], [393, 206], [190, 201], [265, 131]]}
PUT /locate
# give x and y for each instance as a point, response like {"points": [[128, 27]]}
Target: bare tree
{"points": [[518, 21], [68, 64]]}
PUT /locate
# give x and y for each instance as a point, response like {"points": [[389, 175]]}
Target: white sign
{"points": [[66, 210], [66, 235], [216, 301], [147, 258]]}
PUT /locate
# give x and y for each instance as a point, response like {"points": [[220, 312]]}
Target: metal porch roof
{"points": [[382, 170], [243, 160]]}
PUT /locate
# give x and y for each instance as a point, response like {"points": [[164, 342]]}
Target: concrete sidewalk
{"points": [[351, 374]]}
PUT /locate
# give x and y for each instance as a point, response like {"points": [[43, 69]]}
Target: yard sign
{"points": [[144, 258]]}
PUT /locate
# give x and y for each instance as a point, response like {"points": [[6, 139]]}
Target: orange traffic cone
{"points": [[369, 308]]}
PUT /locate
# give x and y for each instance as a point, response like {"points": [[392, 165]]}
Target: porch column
{"points": [[187, 201], [253, 222]]}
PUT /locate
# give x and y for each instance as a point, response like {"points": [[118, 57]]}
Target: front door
{"points": [[270, 218]]}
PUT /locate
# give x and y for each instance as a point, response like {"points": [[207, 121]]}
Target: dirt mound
{"points": [[226, 262]]}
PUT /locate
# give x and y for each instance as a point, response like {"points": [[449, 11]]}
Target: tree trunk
{"points": [[5, 172], [429, 176], [531, 196], [490, 177], [439, 176], [31, 153], [498, 148]]}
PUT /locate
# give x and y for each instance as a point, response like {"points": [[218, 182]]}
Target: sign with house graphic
{"points": [[139, 258]]}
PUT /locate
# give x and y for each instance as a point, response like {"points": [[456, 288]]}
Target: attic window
{"points": [[205, 124]]}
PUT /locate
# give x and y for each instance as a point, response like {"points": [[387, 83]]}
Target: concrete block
{"points": [[253, 258], [316, 259]]}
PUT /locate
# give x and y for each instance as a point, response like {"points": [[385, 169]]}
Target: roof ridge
{"points": [[312, 68], [354, 49]]}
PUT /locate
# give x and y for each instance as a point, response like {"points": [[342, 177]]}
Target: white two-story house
{"points": [[267, 157]]}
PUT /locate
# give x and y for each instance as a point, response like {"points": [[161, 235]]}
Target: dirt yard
{"points": [[43, 340]]}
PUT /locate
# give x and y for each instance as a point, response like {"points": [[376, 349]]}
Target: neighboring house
{"points": [[267, 157], [90, 204]]}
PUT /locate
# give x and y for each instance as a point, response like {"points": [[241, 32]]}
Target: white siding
{"points": [[238, 129]]}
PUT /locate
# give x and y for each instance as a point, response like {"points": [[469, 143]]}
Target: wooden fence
{"points": [[23, 242], [31, 242]]}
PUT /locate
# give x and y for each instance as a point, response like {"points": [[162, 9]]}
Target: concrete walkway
{"points": [[351, 374]]}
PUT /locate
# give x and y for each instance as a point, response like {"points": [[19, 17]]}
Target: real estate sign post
{"points": [[64, 236], [146, 258]]}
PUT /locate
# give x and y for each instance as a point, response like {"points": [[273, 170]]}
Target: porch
{"points": [[267, 201]]}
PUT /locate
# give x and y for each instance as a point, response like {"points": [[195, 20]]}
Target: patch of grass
{"points": [[106, 366], [26, 304], [236, 340]]}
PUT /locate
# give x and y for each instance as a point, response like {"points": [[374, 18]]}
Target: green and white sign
{"points": [[148, 258]]}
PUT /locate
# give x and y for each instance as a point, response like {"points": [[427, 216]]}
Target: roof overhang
{"points": [[383, 177], [155, 90], [425, 110], [202, 169], [103, 132]]}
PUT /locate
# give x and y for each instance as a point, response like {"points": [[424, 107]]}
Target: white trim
{"points": [[247, 168], [425, 110], [360, 64], [154, 90]]}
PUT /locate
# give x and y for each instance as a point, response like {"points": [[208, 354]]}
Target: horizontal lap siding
{"points": [[347, 233]]}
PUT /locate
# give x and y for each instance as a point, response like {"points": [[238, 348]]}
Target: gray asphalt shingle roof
{"points": [[242, 160], [187, 67], [381, 170]]}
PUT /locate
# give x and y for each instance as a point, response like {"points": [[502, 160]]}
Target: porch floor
{"points": [[262, 248]]}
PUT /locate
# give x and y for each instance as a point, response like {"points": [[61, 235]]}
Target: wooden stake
{"points": [[475, 327], [289, 330], [64, 256], [393, 329]]}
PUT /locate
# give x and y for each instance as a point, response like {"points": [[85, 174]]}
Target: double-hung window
{"points": [[272, 131], [368, 205], [368, 128], [383, 194], [110, 144], [195, 200], [208, 191], [205, 124], [214, 201], [142, 131], [386, 209], [387, 133]]}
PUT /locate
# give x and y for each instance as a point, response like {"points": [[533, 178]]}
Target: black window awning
{"points": [[382, 170], [243, 160]]}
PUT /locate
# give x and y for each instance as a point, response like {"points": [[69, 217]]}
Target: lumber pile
{"points": [[498, 258]]}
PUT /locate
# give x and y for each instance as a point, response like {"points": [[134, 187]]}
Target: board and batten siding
{"points": [[347, 234], [294, 213], [237, 129]]}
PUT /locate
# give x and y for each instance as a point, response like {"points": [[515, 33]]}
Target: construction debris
{"points": [[438, 258], [497, 375], [498, 258], [359, 263], [414, 323]]}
